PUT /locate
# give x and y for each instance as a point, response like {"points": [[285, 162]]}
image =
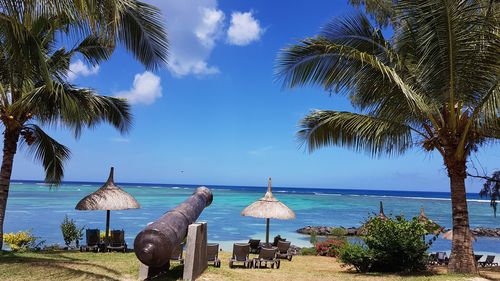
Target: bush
{"points": [[392, 245], [356, 255], [338, 231], [329, 247], [22, 241], [71, 232], [308, 251]]}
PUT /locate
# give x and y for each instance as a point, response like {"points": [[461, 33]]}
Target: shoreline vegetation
{"points": [[73, 265], [356, 231]]}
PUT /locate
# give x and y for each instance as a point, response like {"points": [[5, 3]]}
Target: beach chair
{"points": [[267, 255], [276, 239], [432, 259], [442, 258], [93, 240], [489, 261], [241, 253], [117, 241], [254, 246], [477, 257], [177, 254], [284, 251], [213, 254]]}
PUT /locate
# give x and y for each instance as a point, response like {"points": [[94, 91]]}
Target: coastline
{"points": [[356, 231]]}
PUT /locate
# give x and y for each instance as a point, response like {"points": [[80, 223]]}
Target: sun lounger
{"points": [[93, 240], [213, 254], [284, 251], [177, 254], [267, 255], [117, 241], [276, 239], [489, 261], [432, 259], [477, 257], [254, 246], [442, 258], [241, 253]]}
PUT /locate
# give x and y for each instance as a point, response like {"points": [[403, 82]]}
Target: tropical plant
{"points": [[71, 233], [22, 241], [390, 245], [35, 60], [329, 247], [356, 255], [491, 189], [433, 84]]}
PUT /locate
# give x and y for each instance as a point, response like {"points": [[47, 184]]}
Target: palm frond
{"points": [[75, 108], [141, 31], [48, 152], [355, 131]]}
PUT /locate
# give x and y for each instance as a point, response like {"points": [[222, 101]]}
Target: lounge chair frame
{"points": [[213, 254], [241, 253], [284, 251], [117, 241], [267, 255]]}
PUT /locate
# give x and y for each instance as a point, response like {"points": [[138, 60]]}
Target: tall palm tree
{"points": [[433, 84], [34, 64]]}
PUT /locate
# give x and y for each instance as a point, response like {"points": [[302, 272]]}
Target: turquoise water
{"points": [[40, 208]]}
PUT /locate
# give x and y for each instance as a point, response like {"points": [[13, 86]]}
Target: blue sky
{"points": [[216, 115]]}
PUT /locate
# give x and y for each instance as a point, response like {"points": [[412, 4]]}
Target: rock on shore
{"points": [[353, 231]]}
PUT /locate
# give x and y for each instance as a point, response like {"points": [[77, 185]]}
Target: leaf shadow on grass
{"points": [[61, 263], [174, 273]]}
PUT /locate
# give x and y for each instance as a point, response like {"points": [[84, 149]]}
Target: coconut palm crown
{"points": [[433, 84], [38, 39]]}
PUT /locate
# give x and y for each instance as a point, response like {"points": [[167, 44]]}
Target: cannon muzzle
{"points": [[154, 245]]}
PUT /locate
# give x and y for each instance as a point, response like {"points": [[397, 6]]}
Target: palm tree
{"points": [[34, 64], [433, 84], [491, 188]]}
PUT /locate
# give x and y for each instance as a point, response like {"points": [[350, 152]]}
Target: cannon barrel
{"points": [[153, 246]]}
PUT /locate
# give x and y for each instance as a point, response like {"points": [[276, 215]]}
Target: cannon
{"points": [[154, 245]]}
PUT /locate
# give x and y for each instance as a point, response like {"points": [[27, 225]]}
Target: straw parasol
{"points": [[448, 235], [268, 208], [381, 214], [431, 226], [108, 197]]}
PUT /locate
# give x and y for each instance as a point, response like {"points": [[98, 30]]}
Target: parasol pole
{"points": [[107, 226], [267, 231]]}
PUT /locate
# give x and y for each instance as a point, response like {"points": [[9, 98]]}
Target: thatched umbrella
{"points": [[268, 208], [381, 214], [448, 235], [431, 226], [108, 197]]}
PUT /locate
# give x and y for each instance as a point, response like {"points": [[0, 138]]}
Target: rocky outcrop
{"points": [[487, 232], [328, 230], [352, 231]]}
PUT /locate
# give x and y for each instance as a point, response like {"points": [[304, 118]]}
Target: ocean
{"points": [[36, 206]]}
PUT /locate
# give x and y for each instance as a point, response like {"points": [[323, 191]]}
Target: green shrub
{"points": [[22, 241], [308, 251], [71, 232], [329, 247], [356, 255], [392, 245], [338, 231]]}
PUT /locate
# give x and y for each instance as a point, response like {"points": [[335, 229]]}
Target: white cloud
{"points": [[193, 28], [120, 140], [244, 29], [145, 89], [78, 68], [211, 26], [260, 151]]}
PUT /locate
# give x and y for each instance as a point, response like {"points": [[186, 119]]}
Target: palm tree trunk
{"points": [[462, 256], [11, 138]]}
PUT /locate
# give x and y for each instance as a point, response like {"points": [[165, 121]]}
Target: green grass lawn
{"points": [[64, 265]]}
